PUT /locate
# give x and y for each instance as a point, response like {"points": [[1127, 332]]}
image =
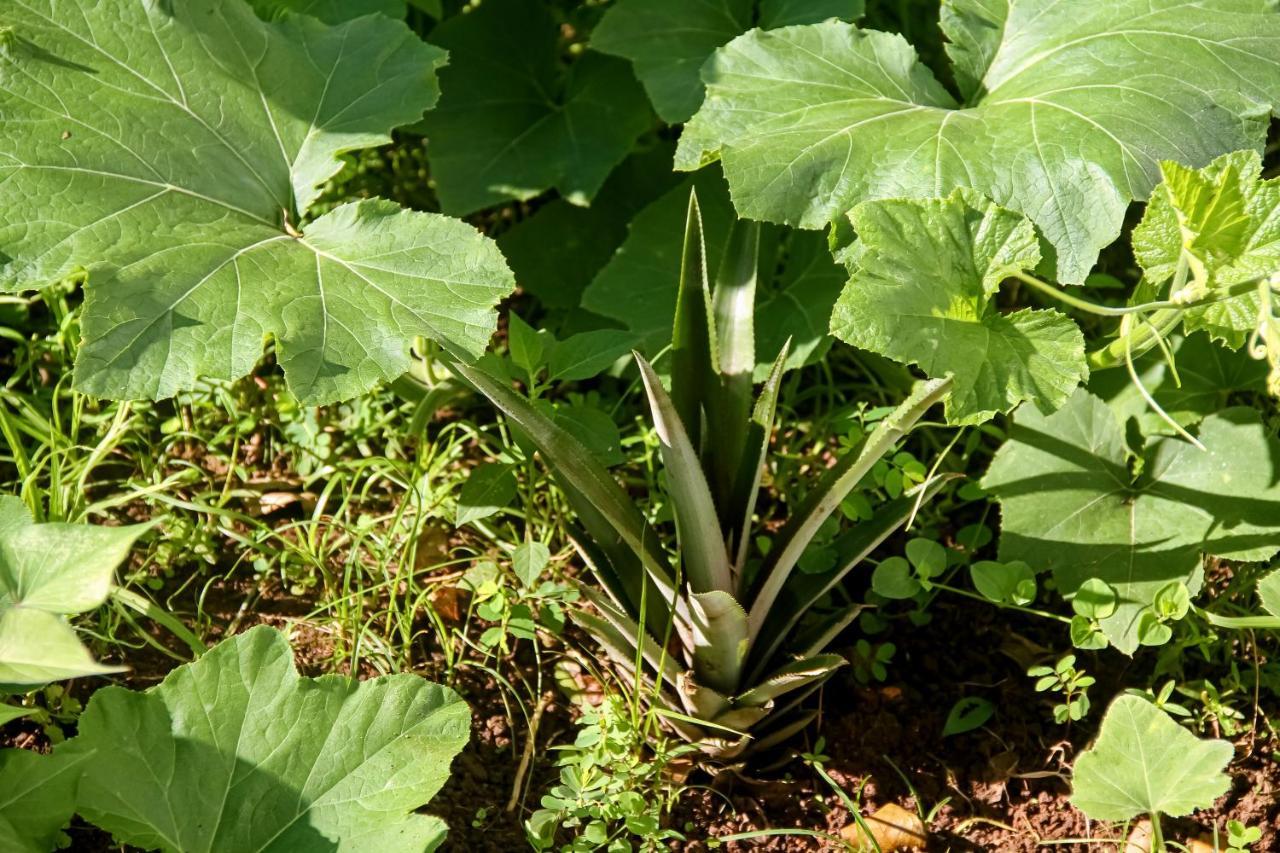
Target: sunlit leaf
{"points": [[238, 752], [924, 275], [1144, 763], [669, 40], [178, 169], [47, 572], [1068, 110]]}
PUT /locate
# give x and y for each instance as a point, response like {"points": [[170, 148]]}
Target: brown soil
{"points": [[999, 788]]}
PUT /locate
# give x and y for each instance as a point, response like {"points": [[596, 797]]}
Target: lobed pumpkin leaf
{"points": [[330, 11], [1144, 763], [514, 121], [37, 798], [48, 572], [924, 277], [238, 752], [182, 166], [669, 40], [1222, 222], [1069, 109]]}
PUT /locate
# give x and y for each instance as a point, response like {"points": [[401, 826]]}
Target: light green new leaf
{"points": [[37, 798], [1223, 220], [330, 11], [1144, 763], [237, 752], [1071, 505], [177, 168], [669, 40], [923, 277], [47, 572], [514, 122], [1071, 107], [798, 282]]}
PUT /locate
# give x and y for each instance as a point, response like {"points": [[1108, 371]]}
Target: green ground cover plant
{"points": [[684, 385]]}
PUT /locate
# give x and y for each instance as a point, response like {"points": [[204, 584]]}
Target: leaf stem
{"points": [[1003, 605]]}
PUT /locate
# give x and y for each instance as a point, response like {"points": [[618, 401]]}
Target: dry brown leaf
{"points": [[1202, 845], [892, 827], [1139, 840]]}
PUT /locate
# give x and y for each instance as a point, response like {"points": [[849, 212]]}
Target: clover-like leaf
{"points": [[1072, 505], [1067, 110], [237, 752], [515, 122], [1223, 222], [173, 150], [48, 572], [799, 281], [924, 273], [1144, 763], [669, 40], [37, 798]]}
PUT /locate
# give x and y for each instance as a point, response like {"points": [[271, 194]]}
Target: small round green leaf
{"points": [[1095, 599], [892, 579], [928, 557], [967, 714]]}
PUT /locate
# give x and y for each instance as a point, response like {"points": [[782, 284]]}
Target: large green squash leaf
{"points": [[236, 752], [638, 286], [556, 252], [37, 798], [1144, 763], [515, 122], [173, 149], [669, 40], [1069, 109], [924, 274], [1071, 505], [47, 572], [1224, 220]]}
